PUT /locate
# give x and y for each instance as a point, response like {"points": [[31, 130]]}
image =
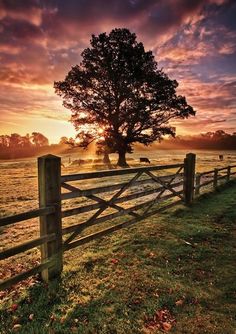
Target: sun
{"points": [[100, 130]]}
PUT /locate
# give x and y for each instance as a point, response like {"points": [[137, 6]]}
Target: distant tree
{"points": [[26, 142], [63, 141], [39, 139], [218, 140], [208, 135], [4, 141], [15, 140], [118, 88], [102, 149], [219, 134]]}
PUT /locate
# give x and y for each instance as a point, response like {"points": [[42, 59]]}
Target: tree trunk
{"points": [[106, 159], [122, 160]]}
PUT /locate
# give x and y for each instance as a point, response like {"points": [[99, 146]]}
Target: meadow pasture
{"points": [[19, 193]]}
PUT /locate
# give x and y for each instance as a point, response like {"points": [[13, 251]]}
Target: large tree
{"points": [[118, 96]]}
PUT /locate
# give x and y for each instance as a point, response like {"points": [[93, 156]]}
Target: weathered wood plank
{"points": [[49, 175], [100, 174], [228, 173], [223, 168], [223, 177], [215, 178], [197, 183], [206, 183], [80, 209], [117, 227], [91, 191], [206, 173], [167, 186], [87, 208], [88, 222], [25, 246], [111, 216], [26, 215], [20, 277], [105, 204], [189, 178]]}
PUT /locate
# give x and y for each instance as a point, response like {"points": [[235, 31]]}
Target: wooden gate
{"points": [[164, 188], [152, 189]]}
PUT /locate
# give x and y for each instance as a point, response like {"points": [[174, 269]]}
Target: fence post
{"points": [[49, 182], [215, 180], [189, 175], [198, 183], [228, 173]]}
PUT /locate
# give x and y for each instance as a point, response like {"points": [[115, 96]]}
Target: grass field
{"points": [[19, 193], [174, 272]]}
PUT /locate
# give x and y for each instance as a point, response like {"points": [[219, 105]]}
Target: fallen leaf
{"points": [[160, 315], [16, 327], [166, 326], [31, 316], [179, 302], [14, 307], [151, 254], [62, 320], [52, 318], [114, 261]]}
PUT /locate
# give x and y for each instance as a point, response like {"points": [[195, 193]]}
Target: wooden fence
{"points": [[213, 177], [55, 189]]}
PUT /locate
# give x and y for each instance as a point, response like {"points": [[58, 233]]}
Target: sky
{"points": [[194, 41]]}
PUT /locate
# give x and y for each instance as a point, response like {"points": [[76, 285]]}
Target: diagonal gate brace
{"points": [[166, 185], [104, 204]]}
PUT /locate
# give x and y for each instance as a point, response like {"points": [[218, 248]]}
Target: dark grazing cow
{"points": [[145, 160], [221, 157]]}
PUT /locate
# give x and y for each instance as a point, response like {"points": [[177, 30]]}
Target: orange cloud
{"points": [[193, 40]]}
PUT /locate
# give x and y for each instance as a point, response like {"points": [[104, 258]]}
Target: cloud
{"points": [[193, 40], [27, 10]]}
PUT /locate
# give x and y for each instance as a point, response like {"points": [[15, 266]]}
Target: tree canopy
{"points": [[15, 140], [118, 96]]}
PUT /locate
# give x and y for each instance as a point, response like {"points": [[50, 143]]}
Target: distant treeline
{"points": [[218, 140], [16, 146]]}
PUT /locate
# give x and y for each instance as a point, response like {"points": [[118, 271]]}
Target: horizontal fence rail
{"points": [[26, 246], [109, 188], [111, 216], [26, 215], [94, 175], [116, 227], [6, 253], [22, 276], [214, 176], [88, 208], [143, 193]]}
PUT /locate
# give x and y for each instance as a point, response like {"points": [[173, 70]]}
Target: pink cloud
{"points": [[39, 43], [27, 10]]}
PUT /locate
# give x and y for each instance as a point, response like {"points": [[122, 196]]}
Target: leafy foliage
{"points": [[219, 140], [17, 141]]}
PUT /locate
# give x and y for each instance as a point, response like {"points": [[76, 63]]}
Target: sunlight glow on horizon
{"points": [[40, 45]]}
